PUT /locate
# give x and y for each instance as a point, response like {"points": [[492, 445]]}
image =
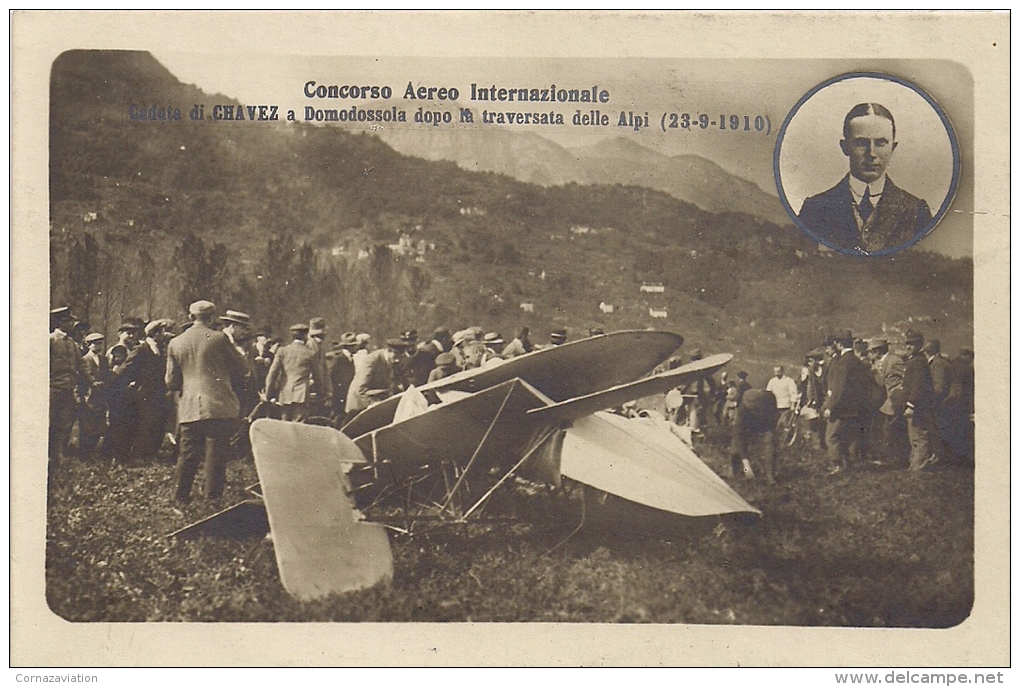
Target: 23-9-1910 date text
{"points": [[686, 121]]}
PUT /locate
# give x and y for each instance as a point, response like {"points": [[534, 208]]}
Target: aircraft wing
{"points": [[577, 368], [494, 419], [575, 408], [321, 546], [641, 460]]}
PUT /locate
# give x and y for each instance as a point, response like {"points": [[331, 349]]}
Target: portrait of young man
{"points": [[866, 212]]}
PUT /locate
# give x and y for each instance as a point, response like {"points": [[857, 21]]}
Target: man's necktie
{"points": [[866, 207]]}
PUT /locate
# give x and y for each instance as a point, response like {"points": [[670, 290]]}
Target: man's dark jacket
{"points": [[895, 221]]}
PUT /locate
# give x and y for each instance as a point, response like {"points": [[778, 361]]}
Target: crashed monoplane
{"points": [[441, 451]]}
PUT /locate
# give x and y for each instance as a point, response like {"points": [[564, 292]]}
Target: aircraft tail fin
{"points": [[322, 546]]}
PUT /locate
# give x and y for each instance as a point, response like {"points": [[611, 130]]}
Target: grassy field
{"points": [[873, 548]]}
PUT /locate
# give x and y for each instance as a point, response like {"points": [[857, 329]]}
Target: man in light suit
{"points": [[206, 369], [890, 425], [294, 371], [866, 212], [374, 381], [66, 376]]}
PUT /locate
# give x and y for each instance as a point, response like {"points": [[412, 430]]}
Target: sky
{"points": [[663, 88]]}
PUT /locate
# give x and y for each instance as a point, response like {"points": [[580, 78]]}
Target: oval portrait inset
{"points": [[867, 164]]}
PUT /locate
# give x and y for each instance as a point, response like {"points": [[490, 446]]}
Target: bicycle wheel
{"points": [[786, 428]]}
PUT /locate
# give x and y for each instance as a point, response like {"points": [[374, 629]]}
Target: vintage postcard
{"points": [[510, 338]]}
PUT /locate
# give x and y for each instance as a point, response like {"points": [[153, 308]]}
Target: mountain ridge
{"points": [[532, 158]]}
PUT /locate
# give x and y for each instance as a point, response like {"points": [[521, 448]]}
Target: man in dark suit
{"points": [[143, 376], [866, 212], [846, 405], [944, 403], [203, 366], [340, 370], [755, 420], [293, 374], [919, 396]]}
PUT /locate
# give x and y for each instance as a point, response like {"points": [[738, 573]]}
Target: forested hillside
{"points": [[287, 221]]}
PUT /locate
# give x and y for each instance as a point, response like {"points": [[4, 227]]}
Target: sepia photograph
{"points": [[459, 348], [841, 217]]}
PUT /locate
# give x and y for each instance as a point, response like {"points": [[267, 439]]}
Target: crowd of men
{"points": [[863, 403], [191, 386]]}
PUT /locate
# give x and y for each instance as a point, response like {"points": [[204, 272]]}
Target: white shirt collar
{"points": [[857, 187]]}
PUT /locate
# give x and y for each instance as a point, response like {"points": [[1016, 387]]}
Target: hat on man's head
{"points": [[236, 317], [93, 337], [348, 339], [299, 327], [396, 344], [742, 374], [199, 308], [493, 338], [913, 338], [559, 334], [844, 338], [476, 331], [317, 326], [596, 331], [877, 342], [462, 336], [62, 313], [363, 338], [696, 354], [410, 336], [158, 325]]}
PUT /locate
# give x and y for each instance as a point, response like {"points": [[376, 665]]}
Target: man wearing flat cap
{"points": [[293, 374], [143, 380], [66, 375], [374, 381], [92, 412], [205, 369], [446, 365], [128, 335], [846, 405]]}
